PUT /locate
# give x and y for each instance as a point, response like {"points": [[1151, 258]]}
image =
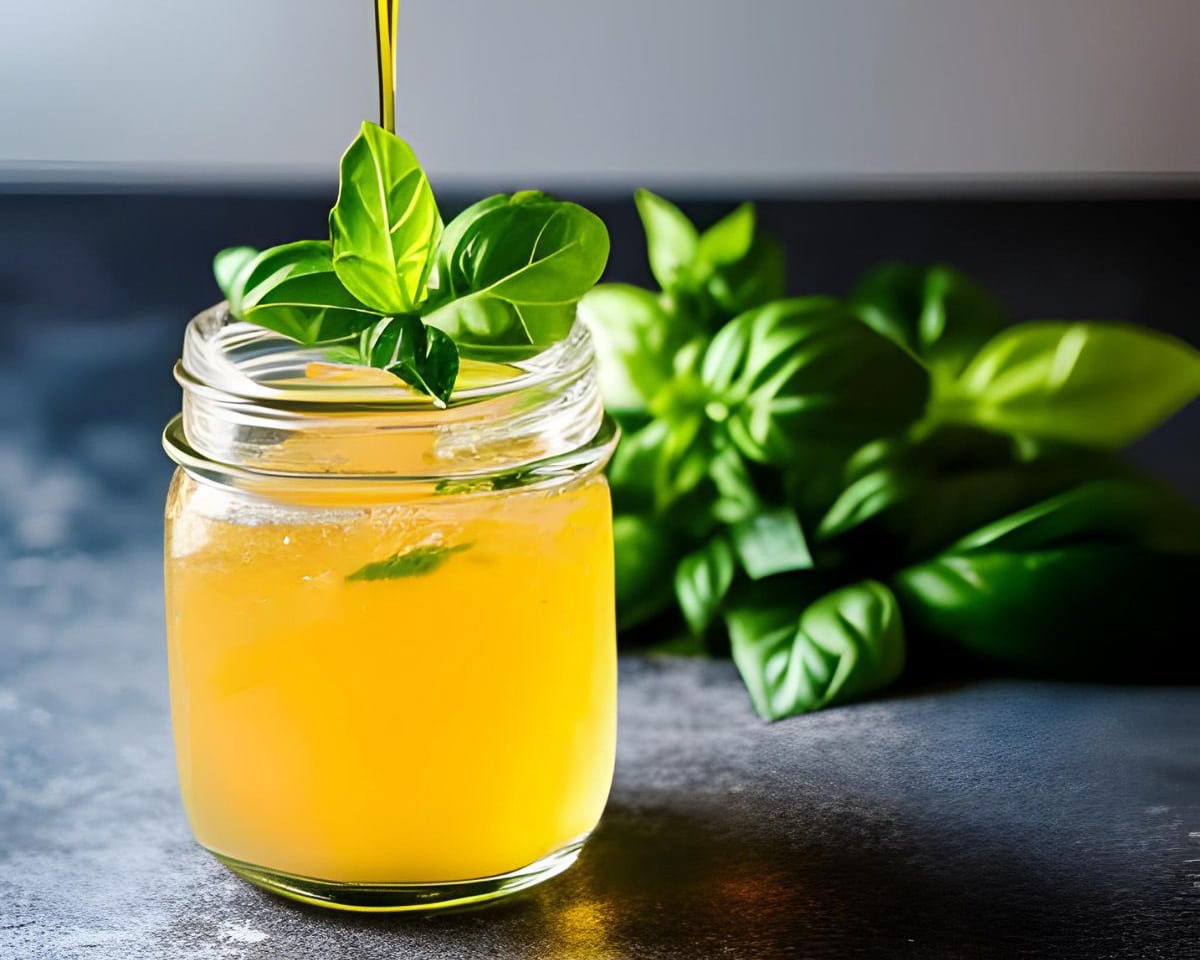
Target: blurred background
{"points": [[702, 95], [1049, 147]]}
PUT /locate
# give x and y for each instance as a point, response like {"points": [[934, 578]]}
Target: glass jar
{"points": [[391, 627]]}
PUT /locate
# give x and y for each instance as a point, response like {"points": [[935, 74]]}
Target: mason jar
{"points": [[390, 626]]}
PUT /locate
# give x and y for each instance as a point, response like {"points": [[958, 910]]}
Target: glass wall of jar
{"points": [[390, 626]]}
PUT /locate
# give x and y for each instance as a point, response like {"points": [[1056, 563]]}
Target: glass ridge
{"points": [[248, 412]]}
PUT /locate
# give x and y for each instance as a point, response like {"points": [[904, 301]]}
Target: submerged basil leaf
{"points": [[228, 265], [416, 562], [805, 373], [293, 290], [1101, 384], [385, 225], [424, 358], [671, 239], [702, 580], [796, 658], [511, 282]]}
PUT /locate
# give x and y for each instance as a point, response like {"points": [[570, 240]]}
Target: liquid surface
{"points": [[452, 723]]}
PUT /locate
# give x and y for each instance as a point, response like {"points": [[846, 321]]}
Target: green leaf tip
{"points": [[416, 562], [228, 265], [511, 270], [423, 357], [293, 290], [702, 580], [1096, 384], [672, 240], [385, 225]]}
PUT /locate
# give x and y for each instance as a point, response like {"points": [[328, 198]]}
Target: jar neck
{"points": [[258, 404]]}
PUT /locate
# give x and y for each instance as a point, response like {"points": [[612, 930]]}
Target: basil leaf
{"points": [[671, 239], [936, 312], [343, 353], [771, 542], [385, 225], [1128, 509], [795, 658], [1101, 384], [516, 273], [442, 281], [863, 500], [644, 555], [682, 460], [702, 580], [293, 290], [416, 562], [906, 498], [635, 341], [726, 241], [633, 468], [425, 359], [757, 278], [805, 373], [890, 299], [1096, 582], [738, 497], [1089, 611], [228, 265]]}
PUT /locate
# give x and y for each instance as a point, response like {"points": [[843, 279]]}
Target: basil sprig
{"points": [[392, 289], [511, 271], [821, 488]]}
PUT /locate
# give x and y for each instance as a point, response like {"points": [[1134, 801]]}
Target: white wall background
{"points": [[700, 92]]}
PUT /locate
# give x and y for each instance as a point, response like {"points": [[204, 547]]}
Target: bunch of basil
{"points": [[827, 488], [392, 289]]}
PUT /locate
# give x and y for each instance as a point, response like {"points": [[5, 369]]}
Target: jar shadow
{"points": [[714, 882]]}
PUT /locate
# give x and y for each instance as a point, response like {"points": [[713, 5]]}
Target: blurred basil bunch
{"points": [[825, 488]]}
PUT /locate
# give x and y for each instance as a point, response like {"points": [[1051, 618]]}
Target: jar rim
{"points": [[232, 360], [251, 410]]}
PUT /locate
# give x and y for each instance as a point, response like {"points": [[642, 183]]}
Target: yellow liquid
{"points": [[446, 726], [386, 12]]}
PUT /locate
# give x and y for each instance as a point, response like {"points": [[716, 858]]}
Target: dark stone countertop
{"points": [[996, 819]]}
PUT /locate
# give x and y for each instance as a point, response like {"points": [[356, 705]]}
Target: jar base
{"points": [[403, 897]]}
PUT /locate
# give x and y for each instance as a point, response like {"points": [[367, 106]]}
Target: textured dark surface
{"points": [[995, 820], [989, 819]]}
